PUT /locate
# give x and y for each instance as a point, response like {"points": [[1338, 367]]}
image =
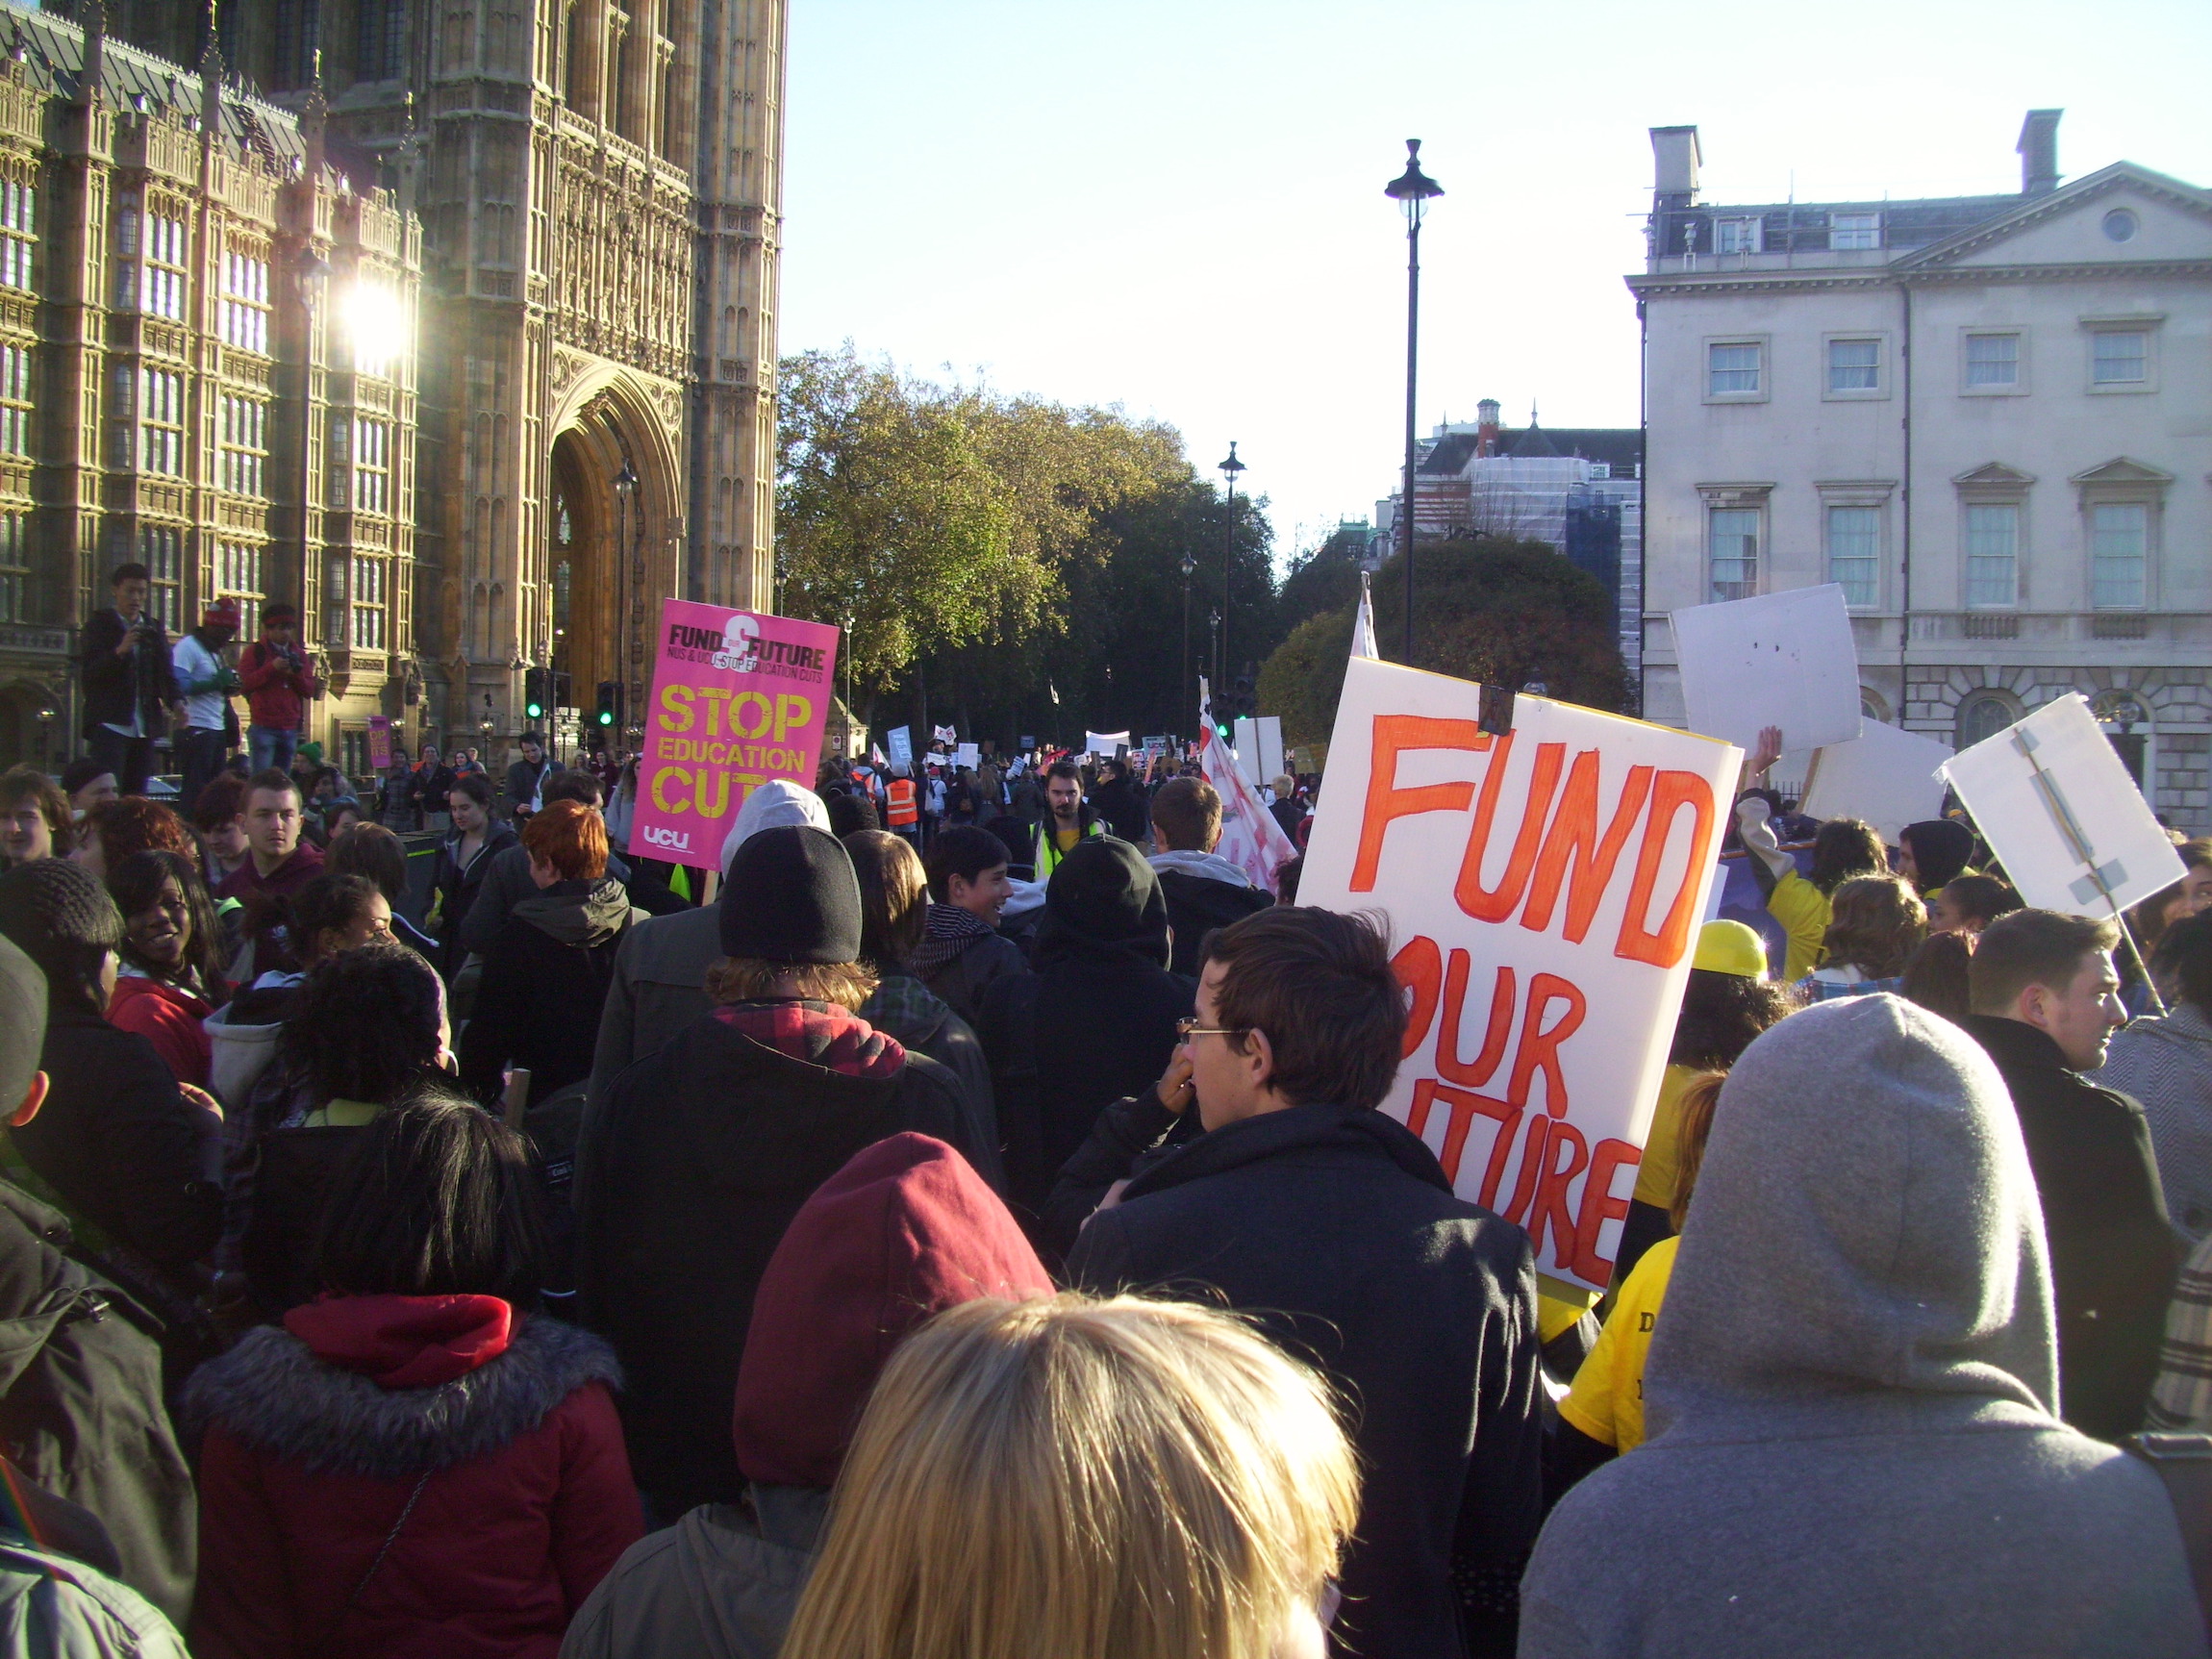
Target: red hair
{"points": [[133, 823], [571, 838]]}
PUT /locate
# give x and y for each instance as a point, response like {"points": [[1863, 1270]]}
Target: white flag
{"points": [[1250, 838], [1364, 631]]}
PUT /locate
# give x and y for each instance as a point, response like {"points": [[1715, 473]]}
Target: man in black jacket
{"points": [[693, 1164], [527, 778], [1204, 891], [130, 685], [1336, 1228], [1119, 801], [2045, 1000], [962, 952]]}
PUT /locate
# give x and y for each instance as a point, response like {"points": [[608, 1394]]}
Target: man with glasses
{"points": [[1336, 1228]]}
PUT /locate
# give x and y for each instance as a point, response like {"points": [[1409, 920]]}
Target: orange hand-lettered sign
{"points": [[1544, 889]]}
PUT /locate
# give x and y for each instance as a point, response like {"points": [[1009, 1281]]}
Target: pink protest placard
{"points": [[739, 697], [380, 741]]}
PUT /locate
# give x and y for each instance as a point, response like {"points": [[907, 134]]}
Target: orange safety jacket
{"points": [[904, 811]]}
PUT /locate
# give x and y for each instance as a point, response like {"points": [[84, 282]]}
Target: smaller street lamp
{"points": [[1230, 468], [1183, 685], [1412, 190]]}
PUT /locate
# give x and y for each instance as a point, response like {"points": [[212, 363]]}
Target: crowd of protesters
{"points": [[970, 1231]]}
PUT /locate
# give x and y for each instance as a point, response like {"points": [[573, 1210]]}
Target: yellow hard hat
{"points": [[1730, 947]]}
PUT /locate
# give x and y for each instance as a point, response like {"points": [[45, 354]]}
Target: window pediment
{"points": [[1994, 475], [2121, 469]]}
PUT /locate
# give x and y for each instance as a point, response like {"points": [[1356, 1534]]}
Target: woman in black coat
{"points": [[1094, 1025], [545, 980], [463, 858]]}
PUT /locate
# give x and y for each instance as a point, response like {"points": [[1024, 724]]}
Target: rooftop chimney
{"points": [[1486, 427], [2038, 149], [1674, 157]]}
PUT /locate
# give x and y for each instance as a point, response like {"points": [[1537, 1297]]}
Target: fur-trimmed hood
{"points": [[273, 1394]]}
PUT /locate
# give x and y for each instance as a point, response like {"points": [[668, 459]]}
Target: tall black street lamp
{"points": [[1229, 470], [1214, 622], [625, 496], [1412, 190], [1183, 685]]}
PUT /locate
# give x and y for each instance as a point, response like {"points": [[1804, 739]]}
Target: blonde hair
{"points": [[1117, 1479], [749, 979]]}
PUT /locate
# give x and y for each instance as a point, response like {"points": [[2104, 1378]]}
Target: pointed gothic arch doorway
{"points": [[607, 562]]}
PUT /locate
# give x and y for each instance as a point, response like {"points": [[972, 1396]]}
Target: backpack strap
{"points": [[2184, 1463]]}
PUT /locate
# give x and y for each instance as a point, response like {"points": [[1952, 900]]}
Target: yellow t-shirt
{"points": [[1607, 1402], [1655, 1175], [1804, 913]]}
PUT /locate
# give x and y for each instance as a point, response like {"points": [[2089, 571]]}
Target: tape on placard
{"points": [[2107, 880]]}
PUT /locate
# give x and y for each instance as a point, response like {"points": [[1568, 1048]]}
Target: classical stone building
{"points": [[596, 190], [1986, 418]]}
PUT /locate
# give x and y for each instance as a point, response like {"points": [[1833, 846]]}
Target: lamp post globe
{"points": [[1412, 190]]}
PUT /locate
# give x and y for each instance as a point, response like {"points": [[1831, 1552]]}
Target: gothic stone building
{"points": [[537, 235]]}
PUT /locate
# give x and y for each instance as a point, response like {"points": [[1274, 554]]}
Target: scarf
{"points": [[819, 1034], [947, 932]]}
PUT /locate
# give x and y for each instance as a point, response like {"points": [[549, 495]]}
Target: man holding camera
{"points": [[278, 680], [128, 688]]}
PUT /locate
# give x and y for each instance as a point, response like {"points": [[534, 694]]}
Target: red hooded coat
{"points": [[319, 1436]]}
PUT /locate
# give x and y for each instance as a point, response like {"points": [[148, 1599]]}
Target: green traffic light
{"points": [[534, 711], [606, 717]]}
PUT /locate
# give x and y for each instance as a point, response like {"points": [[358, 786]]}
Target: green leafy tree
{"points": [[891, 515], [1501, 612]]}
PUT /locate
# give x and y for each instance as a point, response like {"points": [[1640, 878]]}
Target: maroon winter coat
{"points": [[319, 1434]]}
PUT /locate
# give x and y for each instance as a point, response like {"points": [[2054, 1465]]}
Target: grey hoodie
{"points": [[722, 1583], [1851, 1390]]}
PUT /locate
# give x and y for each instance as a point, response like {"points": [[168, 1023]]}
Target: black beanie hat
{"points": [[61, 917], [791, 896]]}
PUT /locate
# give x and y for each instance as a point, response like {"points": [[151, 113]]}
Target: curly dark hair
{"points": [[1721, 1013], [136, 883], [1843, 848], [365, 1026]]}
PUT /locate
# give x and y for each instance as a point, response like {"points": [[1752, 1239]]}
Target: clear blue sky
{"points": [[1175, 204]]}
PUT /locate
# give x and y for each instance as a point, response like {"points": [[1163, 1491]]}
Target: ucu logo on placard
{"points": [[677, 840]]}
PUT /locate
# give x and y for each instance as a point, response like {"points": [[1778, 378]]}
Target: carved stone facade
{"points": [[599, 189], [172, 394]]}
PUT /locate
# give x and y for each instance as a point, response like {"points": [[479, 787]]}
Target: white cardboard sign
{"points": [[1544, 891], [1782, 660], [1260, 748], [1888, 776], [2055, 803]]}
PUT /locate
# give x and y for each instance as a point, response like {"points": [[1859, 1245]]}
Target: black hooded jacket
{"points": [[545, 988], [2113, 1252], [1337, 1229], [1096, 1022], [686, 1174]]}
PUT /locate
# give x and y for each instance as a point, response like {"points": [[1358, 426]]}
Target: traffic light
{"points": [[537, 694], [610, 710]]}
